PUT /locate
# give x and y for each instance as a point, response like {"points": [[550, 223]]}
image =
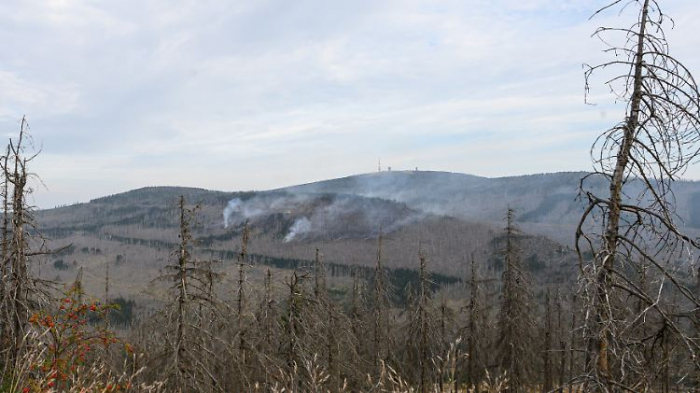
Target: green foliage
{"points": [[123, 312], [59, 264]]}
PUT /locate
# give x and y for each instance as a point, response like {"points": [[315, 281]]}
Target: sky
{"points": [[248, 95]]}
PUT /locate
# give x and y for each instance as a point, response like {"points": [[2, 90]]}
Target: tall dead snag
{"points": [[264, 343], [561, 328], [425, 324], [19, 289], [573, 359], [268, 309], [19, 278], [637, 160], [325, 314], [183, 261], [329, 325], [547, 350], [4, 260], [292, 312], [185, 361], [381, 305], [421, 329], [295, 331], [515, 319], [446, 348], [332, 352], [266, 316], [357, 311], [319, 276], [474, 330], [241, 298]]}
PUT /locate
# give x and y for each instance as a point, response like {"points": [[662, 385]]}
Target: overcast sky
{"points": [[240, 95]]}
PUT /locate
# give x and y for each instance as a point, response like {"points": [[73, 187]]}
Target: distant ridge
{"points": [[545, 203]]}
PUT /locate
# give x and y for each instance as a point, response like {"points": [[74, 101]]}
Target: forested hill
{"points": [[547, 204], [547, 199], [451, 216]]}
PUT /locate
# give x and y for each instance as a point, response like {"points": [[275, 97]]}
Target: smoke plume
{"points": [[299, 228], [329, 216]]}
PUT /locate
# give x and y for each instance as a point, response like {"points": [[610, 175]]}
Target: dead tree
{"points": [[573, 342], [637, 160], [547, 350], [21, 292], [327, 324], [263, 341], [295, 351], [357, 311], [381, 308], [561, 329], [420, 325], [186, 360], [319, 275], [4, 261], [446, 348], [332, 353], [515, 319], [266, 316], [180, 351], [241, 294], [474, 331]]}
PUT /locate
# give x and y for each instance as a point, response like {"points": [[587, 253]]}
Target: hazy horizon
{"points": [[384, 170]]}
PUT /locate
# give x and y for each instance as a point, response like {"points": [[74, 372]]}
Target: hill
{"points": [[449, 216], [546, 204]]}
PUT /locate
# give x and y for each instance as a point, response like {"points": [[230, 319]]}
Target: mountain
{"points": [[546, 204], [451, 217], [535, 197]]}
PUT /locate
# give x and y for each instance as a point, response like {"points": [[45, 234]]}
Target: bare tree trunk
{"points": [[291, 319], [443, 341], [319, 275], [268, 308], [18, 247], [600, 345], [516, 320], [183, 259], [331, 347], [472, 362], [547, 353], [268, 319], [5, 206], [242, 262], [378, 353], [665, 369], [4, 262], [572, 345], [562, 343], [423, 326]]}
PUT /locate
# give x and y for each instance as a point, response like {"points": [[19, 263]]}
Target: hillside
{"points": [[546, 204], [450, 216]]}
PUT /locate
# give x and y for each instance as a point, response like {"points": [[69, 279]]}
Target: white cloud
{"points": [[240, 95]]}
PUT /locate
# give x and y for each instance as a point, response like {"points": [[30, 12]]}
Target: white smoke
{"points": [[233, 205], [327, 215], [300, 227], [238, 211]]}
